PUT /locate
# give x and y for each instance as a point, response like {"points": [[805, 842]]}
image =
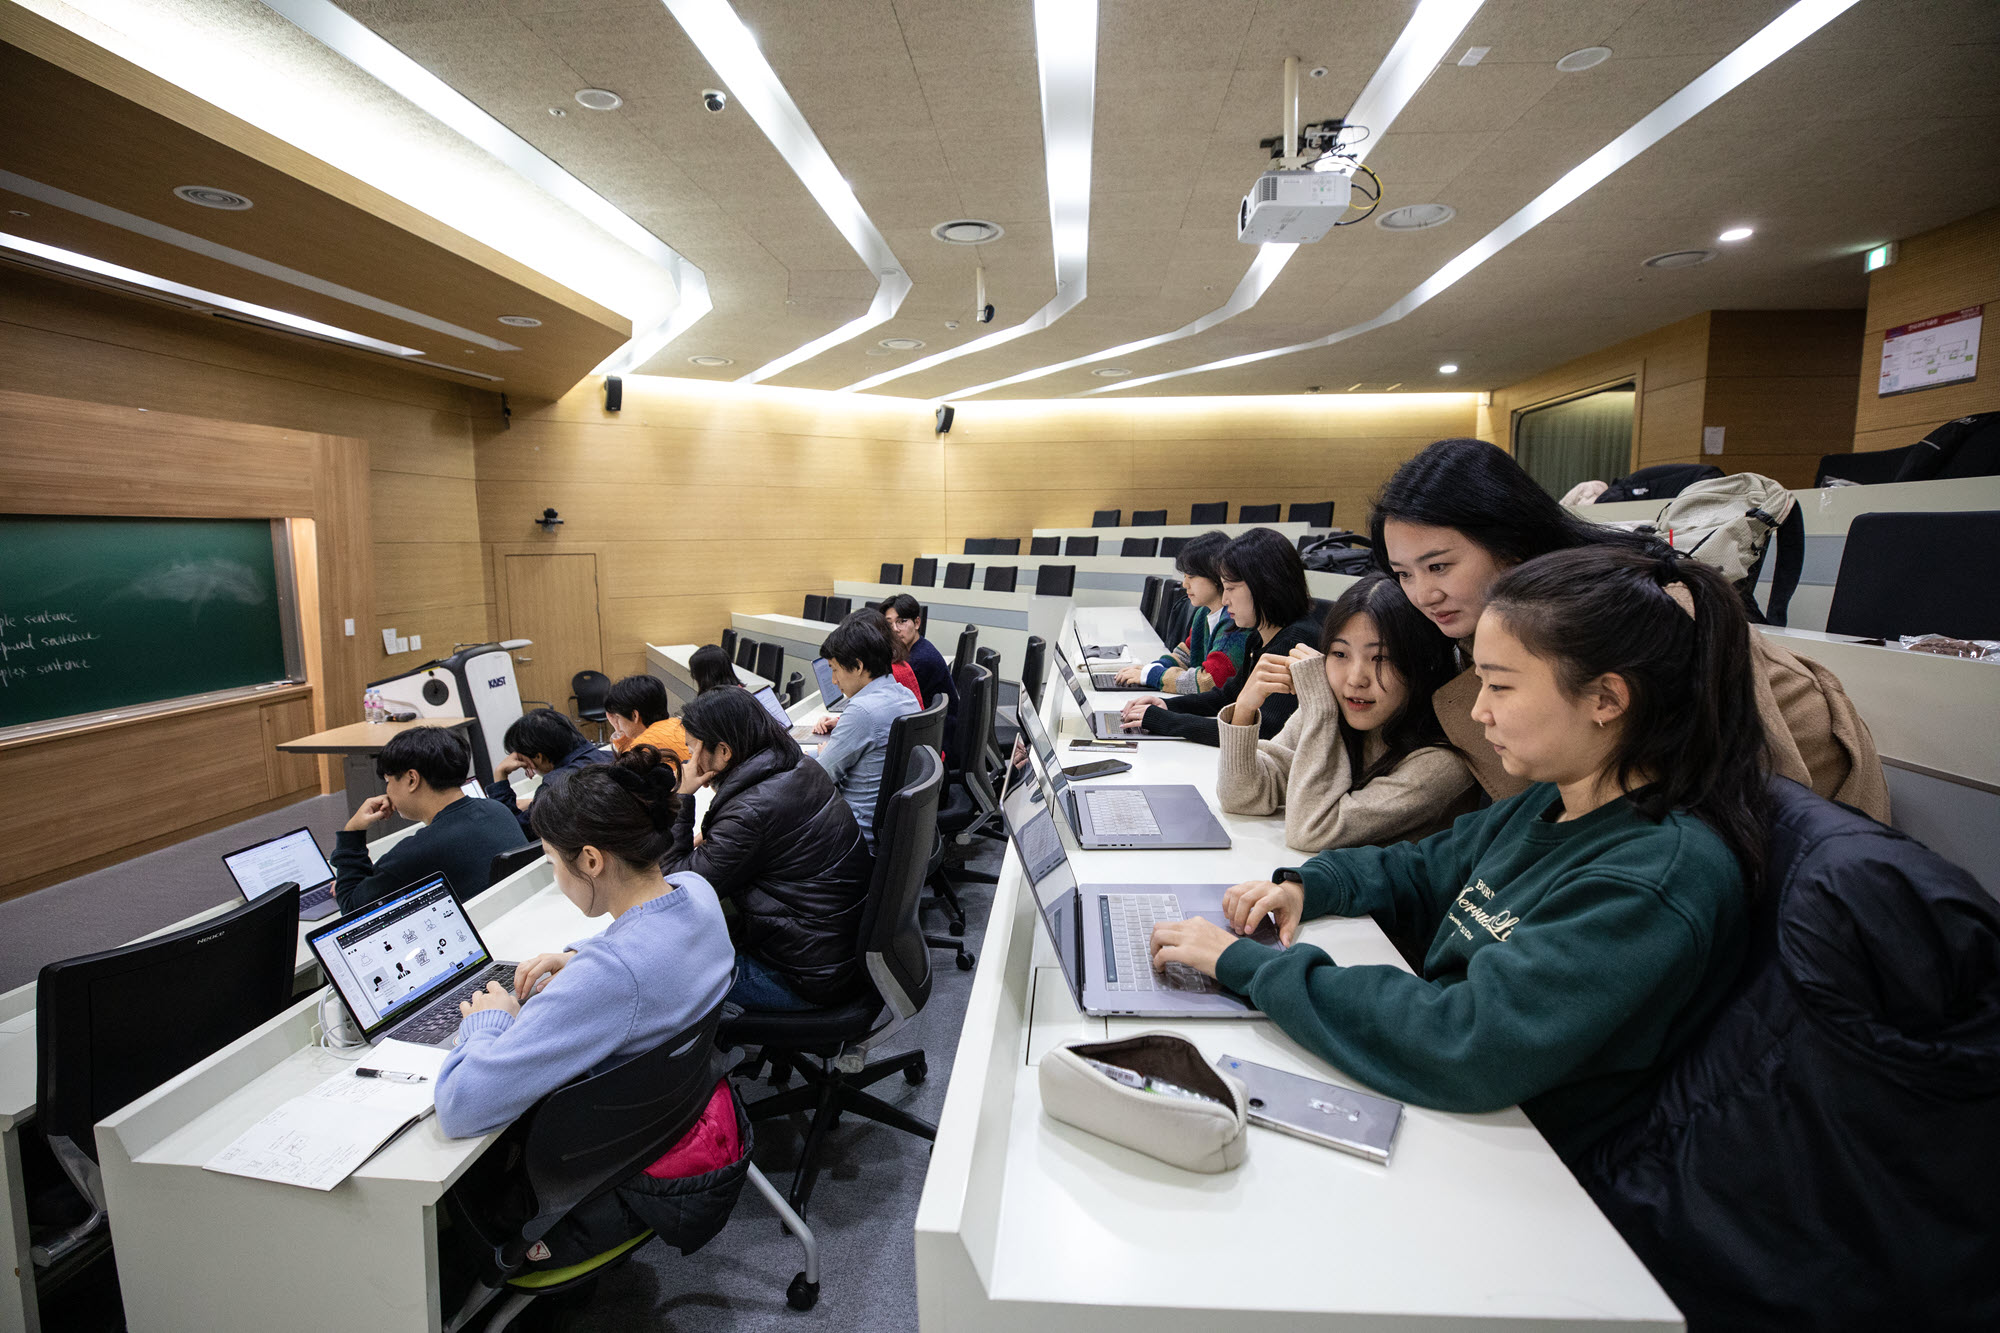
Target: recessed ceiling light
{"points": [[1416, 217], [1736, 234], [210, 197], [1111, 372], [1590, 57], [521, 321], [598, 99], [1679, 259], [1448, 368], [557, 111], [710, 361], [968, 231], [951, 323], [1318, 71], [902, 344]]}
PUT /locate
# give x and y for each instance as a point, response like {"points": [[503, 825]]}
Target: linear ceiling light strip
{"points": [[1777, 37], [1066, 51], [133, 277], [732, 52], [1424, 41]]}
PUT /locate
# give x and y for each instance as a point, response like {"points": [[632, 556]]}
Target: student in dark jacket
{"points": [[906, 618], [1263, 586], [780, 842], [546, 742], [423, 769]]}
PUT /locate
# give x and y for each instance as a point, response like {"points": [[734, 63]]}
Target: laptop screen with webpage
{"points": [[769, 698], [389, 958], [294, 857]]}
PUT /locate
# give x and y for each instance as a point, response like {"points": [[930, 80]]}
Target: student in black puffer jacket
{"points": [[780, 843]]}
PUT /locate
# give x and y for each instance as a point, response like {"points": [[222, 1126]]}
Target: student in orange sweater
{"points": [[637, 709]]}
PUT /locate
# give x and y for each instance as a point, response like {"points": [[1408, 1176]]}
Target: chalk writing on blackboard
{"points": [[26, 642]]}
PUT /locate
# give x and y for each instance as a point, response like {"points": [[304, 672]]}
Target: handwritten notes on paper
{"points": [[319, 1138]]}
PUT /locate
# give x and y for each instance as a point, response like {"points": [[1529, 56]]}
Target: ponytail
{"points": [[626, 809], [1674, 631]]}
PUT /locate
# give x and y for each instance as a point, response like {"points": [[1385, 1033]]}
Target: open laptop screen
{"points": [[294, 857], [829, 693], [769, 698], [396, 954], [1075, 685]]}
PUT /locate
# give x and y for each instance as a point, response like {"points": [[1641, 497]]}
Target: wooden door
{"points": [[552, 599]]}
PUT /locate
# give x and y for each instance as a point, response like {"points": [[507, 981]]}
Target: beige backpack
{"points": [[1727, 522]]}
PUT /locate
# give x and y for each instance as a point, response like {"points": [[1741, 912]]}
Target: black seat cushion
{"points": [[810, 1030]]}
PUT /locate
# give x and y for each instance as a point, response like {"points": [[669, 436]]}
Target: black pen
{"points": [[392, 1075]]}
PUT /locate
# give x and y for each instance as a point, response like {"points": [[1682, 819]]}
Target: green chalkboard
{"points": [[103, 613]]}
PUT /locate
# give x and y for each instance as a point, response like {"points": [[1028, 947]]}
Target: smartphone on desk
{"points": [[1325, 1113], [1097, 768], [1103, 745]]}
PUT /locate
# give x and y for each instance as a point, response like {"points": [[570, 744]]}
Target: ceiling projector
{"points": [[1292, 207]]}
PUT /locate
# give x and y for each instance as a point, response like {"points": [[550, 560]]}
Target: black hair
{"points": [[1424, 659], [1477, 489], [711, 668], [542, 733], [905, 606], [439, 755], [626, 808], [1691, 730], [1202, 556], [735, 718], [1276, 577], [645, 696], [861, 641]]}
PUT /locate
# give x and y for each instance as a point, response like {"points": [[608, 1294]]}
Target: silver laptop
{"points": [[402, 965], [1089, 653], [1162, 815], [294, 858], [1103, 932], [1105, 725]]}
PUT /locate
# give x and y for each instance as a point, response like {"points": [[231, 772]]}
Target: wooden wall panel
{"points": [[1668, 366], [1934, 274]]}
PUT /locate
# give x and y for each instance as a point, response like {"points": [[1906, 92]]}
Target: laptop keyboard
{"points": [[441, 1019], [1122, 814], [316, 897], [1130, 921]]}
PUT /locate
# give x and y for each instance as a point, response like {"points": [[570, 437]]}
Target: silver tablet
{"points": [[1354, 1122]]}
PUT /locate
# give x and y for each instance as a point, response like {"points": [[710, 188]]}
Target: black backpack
{"points": [[1338, 552], [1661, 482], [1967, 447]]}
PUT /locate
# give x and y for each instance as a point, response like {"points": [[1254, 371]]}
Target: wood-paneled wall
{"points": [[1669, 369], [1934, 274]]}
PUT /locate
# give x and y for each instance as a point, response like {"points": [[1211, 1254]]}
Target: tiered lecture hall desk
{"points": [[800, 638], [1112, 536], [670, 663]]}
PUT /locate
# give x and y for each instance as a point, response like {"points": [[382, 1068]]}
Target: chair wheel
{"points": [[802, 1295], [957, 927], [917, 1073], [965, 961]]}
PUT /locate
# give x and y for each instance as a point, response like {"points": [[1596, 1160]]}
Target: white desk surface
{"points": [[1292, 530], [1023, 1219], [1828, 511]]}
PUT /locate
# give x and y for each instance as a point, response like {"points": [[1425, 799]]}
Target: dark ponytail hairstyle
{"points": [[624, 809], [1425, 660], [1691, 731]]}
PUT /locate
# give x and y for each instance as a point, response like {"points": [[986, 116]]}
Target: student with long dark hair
{"points": [[1580, 931], [1212, 653], [663, 962], [1264, 587], [547, 743], [1461, 513], [780, 842], [1363, 759], [711, 668]]}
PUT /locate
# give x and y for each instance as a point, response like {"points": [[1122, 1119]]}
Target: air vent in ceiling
{"points": [[902, 344], [208, 196], [1416, 217], [598, 99], [1680, 259], [968, 231]]}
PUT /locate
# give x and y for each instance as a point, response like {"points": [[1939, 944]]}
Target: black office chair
{"points": [[906, 734], [795, 688], [1320, 606], [890, 573], [1044, 546], [1002, 578], [1079, 546], [815, 606], [1927, 573], [729, 637], [990, 660], [923, 573], [822, 1045], [1257, 513], [770, 662], [587, 690], [1149, 597], [1173, 599], [978, 546], [1055, 581], [112, 1026], [1141, 546], [1182, 618], [1106, 518], [1149, 518], [1316, 515], [958, 574], [510, 863], [972, 799], [968, 649], [746, 653], [838, 609], [1209, 513], [1034, 666], [1171, 546]]}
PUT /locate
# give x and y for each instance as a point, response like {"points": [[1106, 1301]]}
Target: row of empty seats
{"points": [[1050, 580], [1318, 513]]}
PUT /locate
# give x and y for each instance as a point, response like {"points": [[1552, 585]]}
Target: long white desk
{"points": [[1028, 1223], [1294, 531], [798, 637], [1006, 620]]}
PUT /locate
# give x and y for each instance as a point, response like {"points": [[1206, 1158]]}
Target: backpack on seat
{"points": [[1727, 522], [1337, 552], [1825, 1153]]}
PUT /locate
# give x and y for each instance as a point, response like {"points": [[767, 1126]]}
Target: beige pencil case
{"points": [[1189, 1132]]}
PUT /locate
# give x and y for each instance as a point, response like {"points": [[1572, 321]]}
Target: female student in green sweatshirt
{"points": [[1581, 930]]}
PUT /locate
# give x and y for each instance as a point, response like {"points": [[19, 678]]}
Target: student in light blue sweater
{"points": [[663, 962]]}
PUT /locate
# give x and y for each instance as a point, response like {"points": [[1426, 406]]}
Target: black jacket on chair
{"points": [[781, 844]]}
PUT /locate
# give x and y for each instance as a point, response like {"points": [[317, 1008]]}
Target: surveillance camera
{"points": [[984, 314], [714, 99]]}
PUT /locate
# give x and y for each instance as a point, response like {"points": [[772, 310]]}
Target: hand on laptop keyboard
{"points": [[1195, 942], [496, 995]]}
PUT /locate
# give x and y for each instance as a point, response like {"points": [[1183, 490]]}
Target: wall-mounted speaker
{"points": [[944, 416], [614, 393]]}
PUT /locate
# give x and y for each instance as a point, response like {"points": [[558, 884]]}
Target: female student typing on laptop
{"points": [[1581, 930], [663, 962], [1212, 653]]}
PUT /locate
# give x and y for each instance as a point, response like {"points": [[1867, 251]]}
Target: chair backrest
{"points": [[891, 573], [968, 648], [1182, 618], [1257, 513], [795, 688], [511, 863], [1171, 546], [746, 652], [978, 546], [978, 708], [112, 1026], [729, 637], [1055, 580], [892, 937], [989, 659], [838, 609], [1209, 513], [1002, 578], [923, 573], [815, 608], [598, 1131], [770, 662], [1034, 669], [1149, 518], [1320, 606], [906, 733], [958, 574], [1079, 546], [1918, 574], [1149, 596], [1006, 546], [1146, 546], [1106, 518], [1044, 546], [590, 687], [1318, 515]]}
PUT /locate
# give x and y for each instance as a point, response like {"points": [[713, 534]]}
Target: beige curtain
{"points": [[1583, 439]]}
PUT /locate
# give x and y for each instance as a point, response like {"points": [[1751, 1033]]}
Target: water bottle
{"points": [[373, 707]]}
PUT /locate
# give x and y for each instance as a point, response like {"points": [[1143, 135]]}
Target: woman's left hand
{"points": [[1197, 942], [493, 997]]}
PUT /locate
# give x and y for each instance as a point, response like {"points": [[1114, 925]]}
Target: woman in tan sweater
{"points": [[1363, 760]]}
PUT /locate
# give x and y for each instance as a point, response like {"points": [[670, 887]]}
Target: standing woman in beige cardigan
{"points": [[1363, 760]]}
